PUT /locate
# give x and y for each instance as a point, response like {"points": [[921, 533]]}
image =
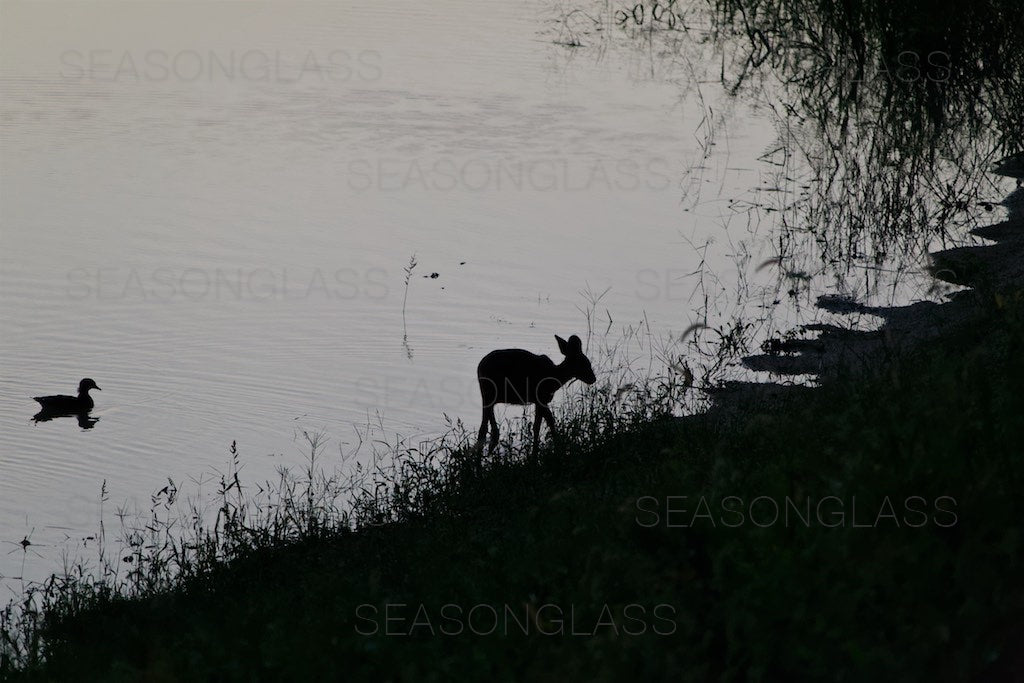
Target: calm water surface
{"points": [[207, 208]]}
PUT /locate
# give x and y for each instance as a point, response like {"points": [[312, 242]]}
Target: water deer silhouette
{"points": [[520, 377]]}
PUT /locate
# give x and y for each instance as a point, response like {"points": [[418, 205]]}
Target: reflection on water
{"points": [[887, 119], [212, 208], [85, 421]]}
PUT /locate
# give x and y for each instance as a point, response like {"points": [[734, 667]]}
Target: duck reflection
{"points": [[85, 421]]}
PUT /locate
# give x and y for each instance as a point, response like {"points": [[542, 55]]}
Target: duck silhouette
{"points": [[64, 406]]}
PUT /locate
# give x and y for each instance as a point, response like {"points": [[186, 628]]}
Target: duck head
{"points": [[86, 384]]}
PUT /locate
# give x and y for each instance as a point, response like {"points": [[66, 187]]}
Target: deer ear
{"points": [[575, 344], [563, 345]]}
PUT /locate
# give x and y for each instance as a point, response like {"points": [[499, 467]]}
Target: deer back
{"points": [[517, 376]]}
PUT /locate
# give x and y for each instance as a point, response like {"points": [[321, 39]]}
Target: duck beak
{"points": [[96, 388]]}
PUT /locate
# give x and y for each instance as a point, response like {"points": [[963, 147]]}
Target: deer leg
{"points": [[494, 430], [549, 418], [482, 434], [536, 428]]}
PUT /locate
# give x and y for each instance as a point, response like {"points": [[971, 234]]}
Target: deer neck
{"points": [[562, 373]]}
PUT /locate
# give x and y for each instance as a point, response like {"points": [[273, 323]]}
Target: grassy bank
{"points": [[899, 560]]}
